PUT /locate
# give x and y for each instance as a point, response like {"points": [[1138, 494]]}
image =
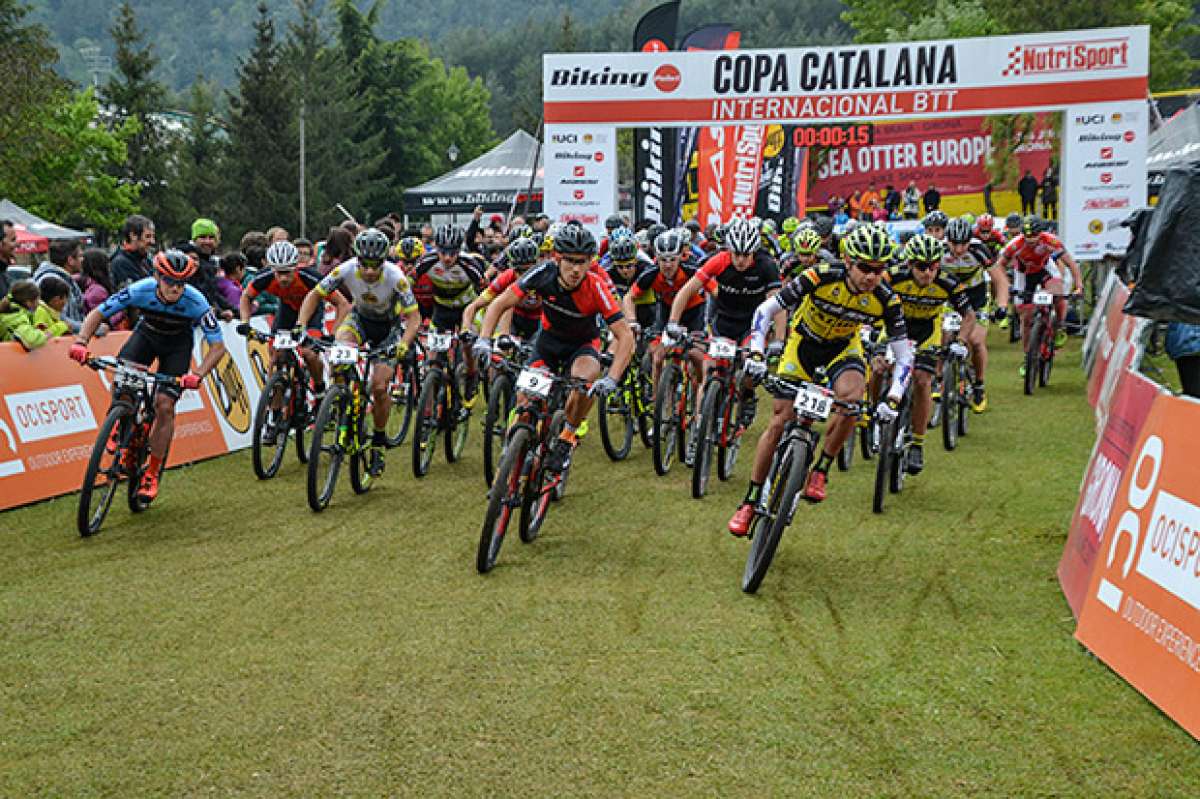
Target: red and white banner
{"points": [[959, 77]]}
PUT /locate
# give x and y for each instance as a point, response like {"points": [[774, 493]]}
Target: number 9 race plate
{"points": [[534, 381]]}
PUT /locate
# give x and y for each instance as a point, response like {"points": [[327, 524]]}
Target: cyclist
{"points": [[924, 293], [744, 276], [966, 261], [456, 276], [1012, 226], [169, 311], [573, 296], [985, 230], [527, 314], [383, 309], [827, 309], [665, 278], [935, 223], [805, 251], [624, 263], [613, 223], [407, 252], [1034, 256], [290, 285]]}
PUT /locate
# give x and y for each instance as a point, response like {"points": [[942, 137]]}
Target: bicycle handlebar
{"points": [[103, 363]]}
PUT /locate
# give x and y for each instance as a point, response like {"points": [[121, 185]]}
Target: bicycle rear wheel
{"points": [[403, 390], [666, 425], [327, 450], [883, 467], [644, 401], [103, 474], [503, 499], [1033, 365], [710, 418], [781, 503], [458, 416], [615, 415], [495, 424], [267, 458], [949, 403], [427, 421]]}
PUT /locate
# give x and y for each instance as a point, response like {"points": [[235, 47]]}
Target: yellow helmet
{"points": [[410, 248], [806, 242]]}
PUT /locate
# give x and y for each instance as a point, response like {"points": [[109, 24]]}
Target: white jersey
{"points": [[382, 300]]}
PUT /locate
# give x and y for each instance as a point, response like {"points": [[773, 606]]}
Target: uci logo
{"points": [[228, 391], [1089, 119]]}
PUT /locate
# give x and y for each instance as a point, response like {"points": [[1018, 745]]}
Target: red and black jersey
{"points": [[570, 314], [653, 279], [530, 305], [739, 293], [293, 295]]}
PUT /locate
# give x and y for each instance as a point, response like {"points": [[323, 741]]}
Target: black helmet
{"points": [[372, 244], [575, 240], [613, 222], [449, 238], [823, 225], [1013, 221], [1033, 225], [693, 227], [523, 252], [935, 219], [958, 231]]}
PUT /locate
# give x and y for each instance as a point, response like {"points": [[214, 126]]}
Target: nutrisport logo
{"points": [[1093, 55]]}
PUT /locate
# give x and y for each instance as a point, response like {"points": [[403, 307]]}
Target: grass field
{"points": [[231, 642]]}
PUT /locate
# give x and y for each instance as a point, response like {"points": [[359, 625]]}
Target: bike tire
{"points": [[1033, 357], [899, 465], [1047, 363], [616, 424], [495, 424], [781, 504], [503, 499], [883, 466], [645, 401], [458, 424], [949, 403], [710, 417], [666, 427], [361, 478], [865, 435], [964, 409], [535, 502], [729, 436], [427, 422], [266, 458], [103, 476], [323, 471], [557, 421], [302, 413], [403, 390], [845, 457]]}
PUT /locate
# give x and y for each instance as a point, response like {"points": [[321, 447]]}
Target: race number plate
{"points": [[1042, 298], [958, 350], [132, 379], [438, 342], [535, 381], [722, 348], [952, 322], [343, 354], [284, 341], [813, 402]]}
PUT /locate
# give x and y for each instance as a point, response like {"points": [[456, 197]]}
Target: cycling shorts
{"points": [[447, 319], [174, 356], [371, 332], [285, 319], [736, 328], [692, 319], [802, 357], [525, 326], [1029, 282], [978, 296], [557, 354], [926, 336]]}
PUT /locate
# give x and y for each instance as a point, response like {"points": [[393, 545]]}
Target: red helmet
{"points": [[985, 222], [175, 264]]}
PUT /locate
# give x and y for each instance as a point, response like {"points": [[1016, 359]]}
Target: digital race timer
{"points": [[833, 135]]}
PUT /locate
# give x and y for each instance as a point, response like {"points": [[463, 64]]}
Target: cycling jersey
{"points": [[992, 239], [569, 315], [655, 280], [291, 295], [791, 266], [162, 320], [739, 292], [968, 268], [828, 310], [620, 285], [382, 301], [926, 302], [1033, 255], [454, 286], [529, 306]]}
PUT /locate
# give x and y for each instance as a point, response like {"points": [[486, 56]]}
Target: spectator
{"points": [[305, 248], [55, 294], [66, 259], [253, 248], [96, 284], [25, 321], [1049, 195], [275, 234], [932, 199], [870, 203], [912, 201], [8, 248], [338, 247], [835, 204], [131, 261], [541, 223], [1027, 189], [891, 203], [427, 236], [1183, 347], [233, 271], [203, 247], [855, 204]]}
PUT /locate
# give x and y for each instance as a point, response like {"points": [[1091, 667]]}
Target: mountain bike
{"points": [[895, 439], [957, 378], [1039, 358], [284, 407], [629, 408], [523, 485], [122, 448], [506, 360], [404, 390], [675, 406], [789, 470], [440, 406], [720, 425], [341, 427]]}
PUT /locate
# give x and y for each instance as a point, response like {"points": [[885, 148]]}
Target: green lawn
{"points": [[229, 641]]}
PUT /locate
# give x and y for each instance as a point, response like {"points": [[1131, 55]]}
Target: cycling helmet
{"points": [[555, 229], [924, 248], [575, 240], [372, 244], [175, 264], [717, 236], [958, 231], [410, 248], [642, 237], [545, 243], [985, 222], [806, 242], [768, 227], [449, 238], [669, 244], [684, 234], [869, 243], [282, 255], [623, 249], [823, 225], [621, 233], [522, 252], [1013, 221], [970, 218], [521, 232], [1032, 226], [742, 237], [572, 223], [613, 222], [790, 225], [935, 219]]}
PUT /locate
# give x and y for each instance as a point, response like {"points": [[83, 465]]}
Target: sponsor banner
{"points": [[832, 84], [1131, 404], [712, 204], [581, 174], [948, 153], [1118, 347], [1141, 612], [697, 175], [654, 148], [1096, 322], [1104, 176]]}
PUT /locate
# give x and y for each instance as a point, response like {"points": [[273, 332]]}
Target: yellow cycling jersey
{"points": [[827, 309], [926, 302]]}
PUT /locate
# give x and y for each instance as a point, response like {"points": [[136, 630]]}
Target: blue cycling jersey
{"points": [[169, 320]]}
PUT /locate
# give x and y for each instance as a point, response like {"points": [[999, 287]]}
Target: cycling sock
{"points": [[823, 462], [753, 493], [379, 438], [918, 440]]}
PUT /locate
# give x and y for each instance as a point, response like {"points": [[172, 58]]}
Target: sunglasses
{"points": [[370, 263], [863, 266], [284, 270]]}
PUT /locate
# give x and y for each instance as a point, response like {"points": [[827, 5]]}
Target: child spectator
{"points": [[95, 281], [233, 269], [23, 319]]}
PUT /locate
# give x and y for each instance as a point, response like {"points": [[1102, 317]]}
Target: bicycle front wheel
{"points": [[781, 503], [495, 424], [103, 474], [269, 437], [883, 466], [403, 390], [666, 425], [458, 416], [328, 447], [949, 403], [644, 401], [503, 499], [427, 421], [615, 415], [1033, 361], [710, 415]]}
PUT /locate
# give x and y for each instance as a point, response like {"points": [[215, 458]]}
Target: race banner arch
{"points": [[1099, 78]]}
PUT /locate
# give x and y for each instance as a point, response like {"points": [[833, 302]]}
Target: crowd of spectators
{"points": [[888, 204]]}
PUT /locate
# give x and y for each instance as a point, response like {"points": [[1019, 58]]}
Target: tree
{"points": [[199, 157], [260, 187], [133, 93]]}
